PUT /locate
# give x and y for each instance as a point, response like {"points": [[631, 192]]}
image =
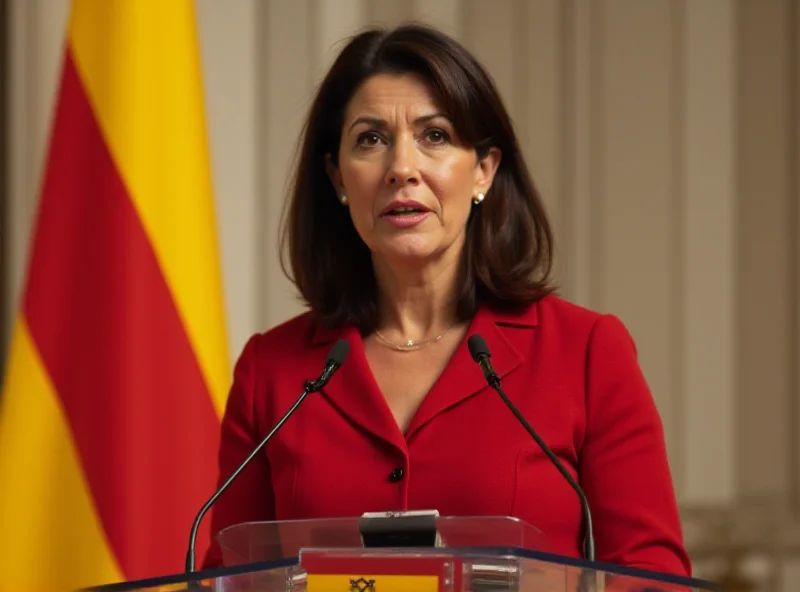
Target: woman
{"points": [[413, 224]]}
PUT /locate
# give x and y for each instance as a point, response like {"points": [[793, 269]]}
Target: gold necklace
{"points": [[412, 345]]}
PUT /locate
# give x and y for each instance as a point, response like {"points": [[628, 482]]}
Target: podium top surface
{"points": [[273, 541], [384, 553]]}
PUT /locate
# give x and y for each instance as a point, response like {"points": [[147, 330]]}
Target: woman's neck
{"points": [[416, 303]]}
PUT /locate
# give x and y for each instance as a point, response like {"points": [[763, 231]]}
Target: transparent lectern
{"points": [[404, 552]]}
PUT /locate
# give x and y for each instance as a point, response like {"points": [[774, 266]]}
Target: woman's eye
{"points": [[368, 139], [436, 136]]}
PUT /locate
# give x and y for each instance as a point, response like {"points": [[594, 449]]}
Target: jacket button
{"points": [[396, 474]]}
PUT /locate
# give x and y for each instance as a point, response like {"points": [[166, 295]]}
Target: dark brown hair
{"points": [[507, 257]]}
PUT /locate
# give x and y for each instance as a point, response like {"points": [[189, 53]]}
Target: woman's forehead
{"points": [[392, 95]]}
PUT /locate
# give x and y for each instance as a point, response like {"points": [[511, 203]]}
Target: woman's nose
{"points": [[403, 165]]}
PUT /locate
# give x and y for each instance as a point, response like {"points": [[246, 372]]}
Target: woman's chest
{"points": [[404, 379], [472, 459]]}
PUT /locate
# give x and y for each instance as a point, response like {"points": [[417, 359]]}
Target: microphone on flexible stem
{"points": [[336, 358], [480, 353]]}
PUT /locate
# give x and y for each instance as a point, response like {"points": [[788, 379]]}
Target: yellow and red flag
{"points": [[118, 366]]}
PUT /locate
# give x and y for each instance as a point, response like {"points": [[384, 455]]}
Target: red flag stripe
{"points": [[141, 415]]}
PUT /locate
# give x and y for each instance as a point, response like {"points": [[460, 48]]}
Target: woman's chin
{"points": [[415, 250], [407, 255]]}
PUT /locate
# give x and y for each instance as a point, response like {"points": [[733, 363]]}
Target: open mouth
{"points": [[404, 211]]}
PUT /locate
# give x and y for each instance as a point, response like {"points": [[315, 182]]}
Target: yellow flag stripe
{"points": [[40, 469], [140, 65]]}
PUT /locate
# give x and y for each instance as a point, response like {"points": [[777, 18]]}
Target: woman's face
{"points": [[408, 179]]}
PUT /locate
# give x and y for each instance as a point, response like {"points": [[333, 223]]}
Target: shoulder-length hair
{"points": [[507, 258]]}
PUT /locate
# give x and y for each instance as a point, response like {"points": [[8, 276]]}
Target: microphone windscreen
{"points": [[477, 347], [339, 352]]}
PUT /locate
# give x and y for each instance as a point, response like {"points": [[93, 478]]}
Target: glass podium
{"points": [[403, 553]]}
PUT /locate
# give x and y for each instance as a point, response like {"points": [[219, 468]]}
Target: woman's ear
{"points": [[486, 169], [334, 174]]}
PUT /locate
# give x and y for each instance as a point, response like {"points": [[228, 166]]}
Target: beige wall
{"points": [[664, 134]]}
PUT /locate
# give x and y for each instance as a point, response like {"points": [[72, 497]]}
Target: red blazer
{"points": [[572, 373]]}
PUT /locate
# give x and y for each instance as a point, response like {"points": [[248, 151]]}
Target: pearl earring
{"points": [[343, 200], [478, 198]]}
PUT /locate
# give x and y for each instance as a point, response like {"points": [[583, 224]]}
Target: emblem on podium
{"points": [[362, 585]]}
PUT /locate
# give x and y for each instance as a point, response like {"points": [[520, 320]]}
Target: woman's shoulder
{"points": [[273, 359], [283, 339], [299, 343], [558, 308], [292, 329], [588, 325], [554, 308]]}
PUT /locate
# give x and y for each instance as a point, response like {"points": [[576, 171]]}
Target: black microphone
{"points": [[480, 353], [336, 358]]}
